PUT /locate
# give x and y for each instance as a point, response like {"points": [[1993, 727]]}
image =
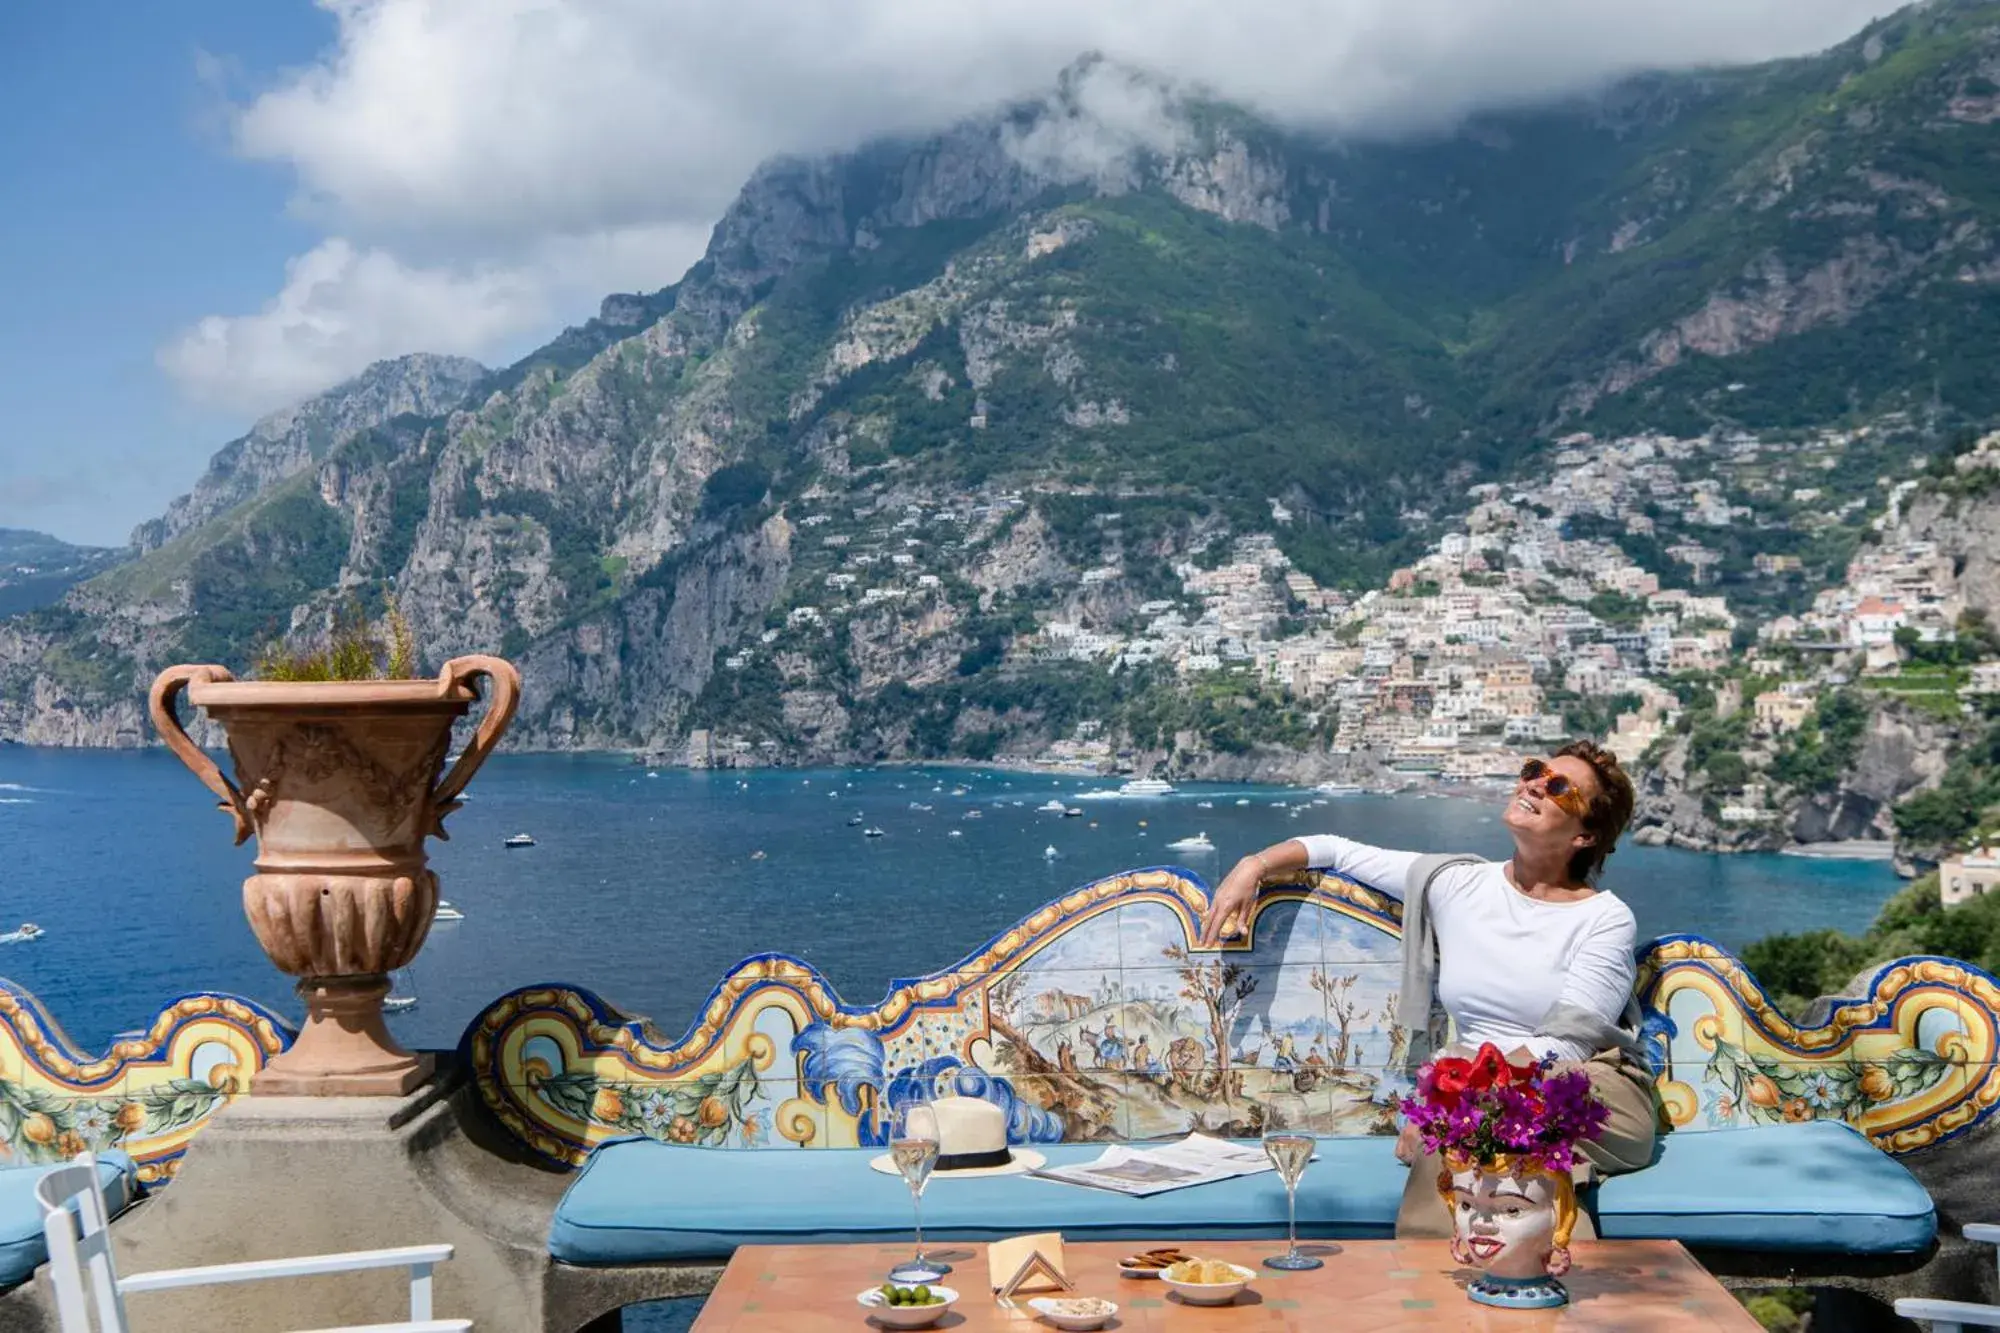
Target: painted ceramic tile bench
{"points": [[1093, 1020]]}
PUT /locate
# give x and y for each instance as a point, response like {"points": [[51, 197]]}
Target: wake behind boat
{"points": [[28, 932]]}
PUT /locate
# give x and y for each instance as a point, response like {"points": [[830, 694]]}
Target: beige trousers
{"points": [[1625, 1145]]}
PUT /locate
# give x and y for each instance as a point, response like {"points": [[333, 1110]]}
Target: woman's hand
{"points": [[1229, 906]]}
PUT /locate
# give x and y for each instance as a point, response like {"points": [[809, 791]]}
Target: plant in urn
{"points": [[337, 773], [1507, 1135]]}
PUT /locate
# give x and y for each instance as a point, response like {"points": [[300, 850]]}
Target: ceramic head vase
{"points": [[1507, 1135], [340, 783]]}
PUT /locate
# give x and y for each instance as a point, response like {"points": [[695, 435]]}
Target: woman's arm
{"points": [[1599, 981], [1229, 905]]}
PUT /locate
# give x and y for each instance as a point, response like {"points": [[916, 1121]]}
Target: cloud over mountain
{"points": [[484, 168]]}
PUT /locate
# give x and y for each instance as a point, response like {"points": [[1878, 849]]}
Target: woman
{"points": [[1530, 954]]}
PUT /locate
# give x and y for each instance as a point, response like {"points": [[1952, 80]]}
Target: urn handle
{"points": [[166, 690], [506, 696]]}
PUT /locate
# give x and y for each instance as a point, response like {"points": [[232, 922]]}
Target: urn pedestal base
{"points": [[344, 1049]]}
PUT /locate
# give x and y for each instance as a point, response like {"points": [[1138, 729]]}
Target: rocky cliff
{"points": [[1025, 364]]}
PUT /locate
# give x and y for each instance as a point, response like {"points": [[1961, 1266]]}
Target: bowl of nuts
{"points": [[1075, 1313]]}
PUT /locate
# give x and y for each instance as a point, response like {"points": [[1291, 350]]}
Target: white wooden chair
{"points": [[84, 1277], [1956, 1316]]}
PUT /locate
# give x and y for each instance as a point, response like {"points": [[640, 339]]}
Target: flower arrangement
{"points": [[1484, 1111]]}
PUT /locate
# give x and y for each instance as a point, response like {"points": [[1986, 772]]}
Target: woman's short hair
{"points": [[1610, 809]]}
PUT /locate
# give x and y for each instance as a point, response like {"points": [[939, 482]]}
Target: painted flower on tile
{"points": [[756, 1129], [94, 1124], [1877, 1085], [1820, 1092], [656, 1110], [682, 1130]]}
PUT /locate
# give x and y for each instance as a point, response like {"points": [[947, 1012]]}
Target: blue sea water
{"points": [[644, 887]]}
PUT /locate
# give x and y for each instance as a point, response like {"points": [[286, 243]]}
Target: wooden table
{"points": [[1629, 1286]]}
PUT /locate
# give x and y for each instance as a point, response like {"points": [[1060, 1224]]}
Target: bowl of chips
{"points": [[1207, 1281]]}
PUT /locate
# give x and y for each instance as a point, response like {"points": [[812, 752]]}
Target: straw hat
{"points": [[972, 1142]]}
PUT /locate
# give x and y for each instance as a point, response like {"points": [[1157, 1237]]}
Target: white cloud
{"points": [[476, 130], [344, 306]]}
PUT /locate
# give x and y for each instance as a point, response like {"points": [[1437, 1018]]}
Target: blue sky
{"points": [[210, 209], [125, 216]]}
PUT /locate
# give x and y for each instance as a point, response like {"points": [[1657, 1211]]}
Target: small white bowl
{"points": [[1211, 1293], [1045, 1306], [906, 1316]]}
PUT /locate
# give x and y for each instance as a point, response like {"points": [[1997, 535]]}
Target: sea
{"points": [[647, 885]]}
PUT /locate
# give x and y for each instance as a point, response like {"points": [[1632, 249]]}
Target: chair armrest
{"points": [[1954, 1314], [1985, 1232], [421, 1326], [257, 1270]]}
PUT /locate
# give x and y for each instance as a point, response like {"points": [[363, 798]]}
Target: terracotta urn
{"points": [[340, 782], [1513, 1223]]}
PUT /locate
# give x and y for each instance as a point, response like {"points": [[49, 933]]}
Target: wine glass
{"points": [[1289, 1145], [913, 1147]]}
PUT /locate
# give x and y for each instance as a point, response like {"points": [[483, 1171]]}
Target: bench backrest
{"points": [[148, 1095], [1094, 1019]]}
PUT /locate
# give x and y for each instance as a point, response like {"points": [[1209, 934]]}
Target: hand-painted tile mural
{"points": [[1096, 1019], [150, 1094]]}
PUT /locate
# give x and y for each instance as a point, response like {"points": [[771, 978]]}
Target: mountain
{"points": [[36, 569], [1026, 365]]}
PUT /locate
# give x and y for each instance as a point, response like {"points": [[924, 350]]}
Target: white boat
{"points": [[1204, 805], [1243, 800], [1051, 807], [855, 822], [396, 1003], [918, 805], [1198, 843], [974, 814], [1339, 788], [1146, 787], [1050, 853], [29, 931], [446, 912], [958, 791], [519, 840], [956, 833], [1073, 812], [871, 832]]}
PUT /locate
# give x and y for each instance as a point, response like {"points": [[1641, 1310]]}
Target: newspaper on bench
{"points": [[1194, 1160]]}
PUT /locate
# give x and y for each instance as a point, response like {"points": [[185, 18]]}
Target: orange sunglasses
{"points": [[1559, 788]]}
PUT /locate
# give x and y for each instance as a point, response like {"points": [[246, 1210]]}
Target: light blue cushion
{"points": [[22, 1248], [638, 1200], [1818, 1186]]}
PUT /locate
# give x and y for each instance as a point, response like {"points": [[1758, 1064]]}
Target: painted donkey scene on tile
{"points": [[1095, 1018]]}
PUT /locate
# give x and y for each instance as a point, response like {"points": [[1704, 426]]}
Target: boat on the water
{"points": [[403, 996], [871, 832], [519, 840], [1146, 787], [1050, 853], [1198, 843], [1204, 805], [1339, 788], [1051, 807], [446, 912], [1072, 812], [28, 931], [855, 822], [974, 814]]}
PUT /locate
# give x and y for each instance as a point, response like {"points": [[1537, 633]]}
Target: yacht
{"points": [[1146, 787], [1198, 843], [1072, 812], [1051, 807], [1339, 788], [28, 931], [446, 912], [871, 832], [519, 840]]}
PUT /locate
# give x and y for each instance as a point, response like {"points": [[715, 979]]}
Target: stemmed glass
{"points": [[1289, 1145], [913, 1147]]}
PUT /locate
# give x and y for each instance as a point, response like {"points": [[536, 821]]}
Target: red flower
{"points": [[1489, 1068], [1451, 1076]]}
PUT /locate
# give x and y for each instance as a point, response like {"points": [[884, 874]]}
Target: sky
{"points": [[210, 209]]}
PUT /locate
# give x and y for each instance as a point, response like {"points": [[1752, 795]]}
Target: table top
{"points": [[1632, 1286]]}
